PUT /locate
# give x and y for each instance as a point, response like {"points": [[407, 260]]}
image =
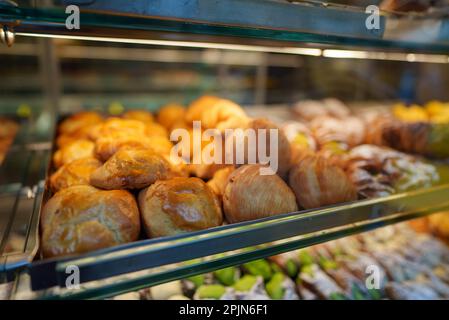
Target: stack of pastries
{"points": [[115, 179]]}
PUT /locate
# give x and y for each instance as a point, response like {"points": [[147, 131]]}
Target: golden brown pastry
{"points": [[300, 138], [171, 115], [80, 219], [220, 180], [216, 113], [178, 205], [114, 126], [316, 183], [73, 151], [223, 114], [140, 115], [132, 168], [282, 152], [249, 195], [154, 129], [74, 173], [107, 146], [197, 107], [78, 121]]}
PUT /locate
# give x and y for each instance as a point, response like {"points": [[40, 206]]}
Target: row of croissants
{"points": [[114, 175]]}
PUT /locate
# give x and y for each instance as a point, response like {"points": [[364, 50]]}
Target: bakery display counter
{"points": [[406, 187], [276, 24]]}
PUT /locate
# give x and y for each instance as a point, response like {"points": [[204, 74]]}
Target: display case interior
{"points": [[286, 69]]}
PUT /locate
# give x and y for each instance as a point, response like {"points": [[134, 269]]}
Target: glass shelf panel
{"points": [[267, 22]]}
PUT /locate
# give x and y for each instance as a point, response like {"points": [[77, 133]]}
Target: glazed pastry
{"points": [[178, 205], [171, 115], [74, 173], [249, 195], [140, 115], [78, 121], [131, 168], [220, 179], [316, 183], [80, 219], [73, 151]]}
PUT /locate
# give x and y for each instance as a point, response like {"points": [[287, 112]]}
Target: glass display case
{"points": [[265, 55]]}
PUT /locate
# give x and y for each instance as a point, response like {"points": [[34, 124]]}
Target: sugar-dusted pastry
{"points": [[178, 205], [220, 179], [350, 130], [171, 115], [249, 195], [78, 121], [73, 151], [316, 183], [132, 168], [144, 116], [80, 219], [74, 173]]}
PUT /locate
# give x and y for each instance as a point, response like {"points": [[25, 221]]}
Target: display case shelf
{"points": [[149, 262], [272, 23]]}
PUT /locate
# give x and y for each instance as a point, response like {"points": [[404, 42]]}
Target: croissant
{"points": [[316, 182], [248, 195], [131, 168]]}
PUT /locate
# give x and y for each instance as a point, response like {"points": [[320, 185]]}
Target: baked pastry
{"points": [[178, 205], [216, 113], [74, 173], [282, 151], [249, 195], [413, 129], [171, 115], [316, 183], [198, 106], [349, 130], [73, 151], [131, 168], [114, 126], [380, 171], [300, 138], [140, 115], [154, 129], [78, 121], [80, 219], [220, 180]]}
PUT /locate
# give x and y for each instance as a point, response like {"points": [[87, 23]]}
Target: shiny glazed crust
{"points": [[178, 205], [82, 218], [74, 173]]}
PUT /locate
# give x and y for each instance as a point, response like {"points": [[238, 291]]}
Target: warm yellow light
{"points": [[189, 44]]}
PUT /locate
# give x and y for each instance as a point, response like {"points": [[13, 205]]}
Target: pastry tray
{"points": [[149, 262]]}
